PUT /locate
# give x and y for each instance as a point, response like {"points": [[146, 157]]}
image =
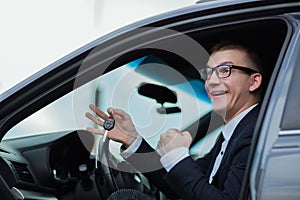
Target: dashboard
{"points": [[45, 166]]}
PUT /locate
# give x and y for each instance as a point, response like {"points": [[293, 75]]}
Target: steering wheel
{"points": [[113, 174]]}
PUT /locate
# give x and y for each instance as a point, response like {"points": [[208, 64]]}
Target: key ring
{"points": [[108, 124]]}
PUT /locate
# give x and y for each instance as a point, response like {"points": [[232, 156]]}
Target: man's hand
{"points": [[173, 139], [123, 131]]}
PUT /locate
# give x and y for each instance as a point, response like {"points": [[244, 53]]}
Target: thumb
{"points": [[110, 111], [187, 136]]}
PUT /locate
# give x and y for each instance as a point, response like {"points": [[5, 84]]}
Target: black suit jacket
{"points": [[189, 178]]}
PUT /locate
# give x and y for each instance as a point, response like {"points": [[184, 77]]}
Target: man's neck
{"points": [[230, 117]]}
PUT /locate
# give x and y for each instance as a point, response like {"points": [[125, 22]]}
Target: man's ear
{"points": [[255, 82]]}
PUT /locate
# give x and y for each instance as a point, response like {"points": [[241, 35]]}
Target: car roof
{"points": [[207, 7]]}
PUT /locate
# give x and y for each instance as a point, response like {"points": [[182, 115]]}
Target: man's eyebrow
{"points": [[222, 63], [226, 62]]}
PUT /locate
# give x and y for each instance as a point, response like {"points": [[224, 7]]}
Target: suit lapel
{"points": [[244, 130]]}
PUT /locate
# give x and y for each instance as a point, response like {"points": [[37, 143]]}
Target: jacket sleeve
{"points": [[192, 182], [191, 177], [147, 161]]}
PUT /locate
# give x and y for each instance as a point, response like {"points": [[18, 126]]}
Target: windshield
{"points": [[119, 88]]}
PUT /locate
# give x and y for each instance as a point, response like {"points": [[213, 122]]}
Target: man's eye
{"points": [[224, 70]]}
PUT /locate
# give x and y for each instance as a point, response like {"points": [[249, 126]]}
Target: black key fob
{"points": [[109, 123]]}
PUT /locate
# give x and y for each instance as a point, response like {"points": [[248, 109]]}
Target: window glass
{"points": [[123, 93], [119, 88], [291, 117]]}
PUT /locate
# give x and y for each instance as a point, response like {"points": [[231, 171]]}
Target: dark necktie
{"points": [[217, 159]]}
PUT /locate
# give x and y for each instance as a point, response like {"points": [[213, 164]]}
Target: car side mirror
{"points": [[162, 95]]}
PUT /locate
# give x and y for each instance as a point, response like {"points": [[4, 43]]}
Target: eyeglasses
{"points": [[223, 71]]}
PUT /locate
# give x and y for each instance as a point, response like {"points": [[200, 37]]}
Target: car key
{"points": [[108, 125]]}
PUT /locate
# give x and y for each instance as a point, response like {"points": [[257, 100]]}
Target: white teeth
{"points": [[218, 93]]}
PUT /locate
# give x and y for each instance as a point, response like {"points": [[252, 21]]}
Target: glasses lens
{"points": [[223, 71], [204, 73]]}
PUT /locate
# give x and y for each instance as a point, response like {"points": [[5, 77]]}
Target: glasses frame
{"points": [[230, 66]]}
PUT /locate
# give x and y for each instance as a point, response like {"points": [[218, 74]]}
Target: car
{"points": [[150, 69]]}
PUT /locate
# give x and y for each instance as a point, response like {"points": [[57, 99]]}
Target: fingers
{"points": [[94, 118], [95, 131], [173, 131], [99, 112], [173, 139], [118, 113]]}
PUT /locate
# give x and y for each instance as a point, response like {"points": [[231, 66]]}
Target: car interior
{"points": [[50, 155]]}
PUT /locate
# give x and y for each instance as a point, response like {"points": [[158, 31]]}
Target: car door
{"points": [[275, 170]]}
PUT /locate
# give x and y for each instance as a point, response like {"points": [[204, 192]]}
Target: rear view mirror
{"points": [[162, 95]]}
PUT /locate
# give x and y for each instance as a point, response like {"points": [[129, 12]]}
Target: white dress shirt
{"points": [[227, 131]]}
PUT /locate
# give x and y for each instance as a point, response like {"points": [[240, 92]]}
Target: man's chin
{"points": [[220, 111]]}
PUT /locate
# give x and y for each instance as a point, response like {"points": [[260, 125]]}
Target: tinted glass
{"points": [[291, 117]]}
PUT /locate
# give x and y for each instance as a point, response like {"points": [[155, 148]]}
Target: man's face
{"points": [[230, 95]]}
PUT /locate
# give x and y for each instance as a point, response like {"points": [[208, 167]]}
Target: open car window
{"points": [[155, 95], [182, 100]]}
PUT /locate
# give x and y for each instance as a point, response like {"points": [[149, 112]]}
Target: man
{"points": [[233, 80]]}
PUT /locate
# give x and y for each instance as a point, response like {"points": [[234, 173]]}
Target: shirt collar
{"points": [[230, 126]]}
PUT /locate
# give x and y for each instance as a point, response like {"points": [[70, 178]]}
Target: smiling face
{"points": [[232, 95]]}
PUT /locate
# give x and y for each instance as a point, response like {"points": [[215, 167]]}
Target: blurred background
{"points": [[35, 33]]}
